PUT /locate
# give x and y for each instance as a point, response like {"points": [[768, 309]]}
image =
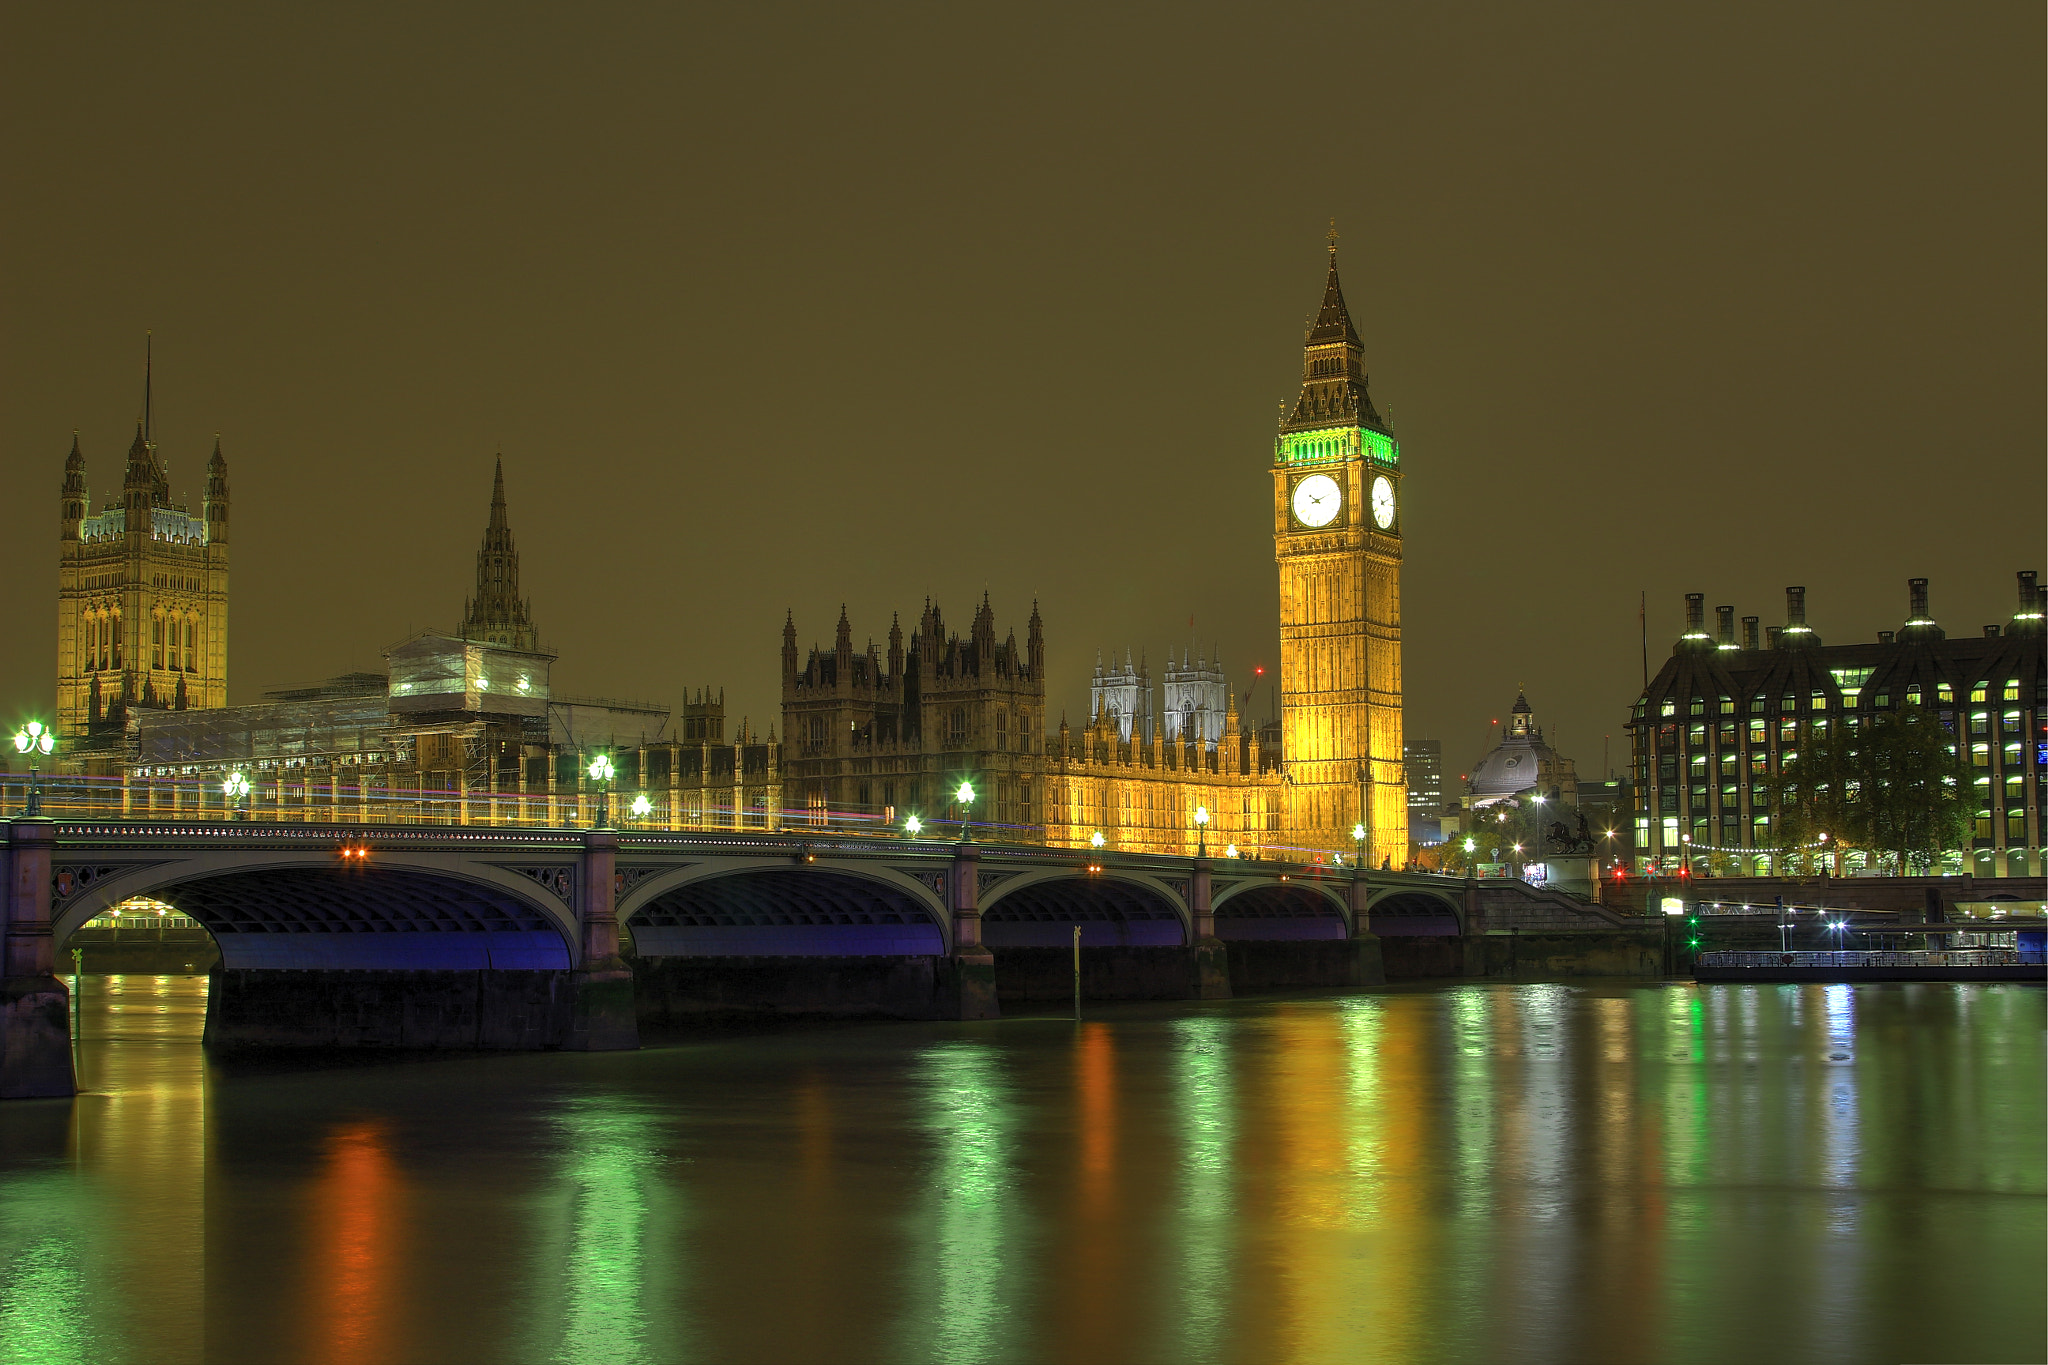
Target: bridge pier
{"points": [[1368, 963], [35, 1007], [1210, 958], [602, 1014], [967, 979]]}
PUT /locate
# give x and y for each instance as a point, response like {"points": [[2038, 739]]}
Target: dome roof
{"points": [[1519, 763]]}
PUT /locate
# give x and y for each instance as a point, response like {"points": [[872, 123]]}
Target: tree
{"points": [[1914, 787], [1897, 786], [1815, 793]]}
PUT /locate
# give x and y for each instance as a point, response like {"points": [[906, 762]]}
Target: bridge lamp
{"points": [[1231, 851], [601, 772], [1201, 830], [642, 807], [236, 788], [912, 826], [35, 741], [1096, 840], [965, 798]]}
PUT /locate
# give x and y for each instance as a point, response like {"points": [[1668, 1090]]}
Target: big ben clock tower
{"points": [[1337, 536]]}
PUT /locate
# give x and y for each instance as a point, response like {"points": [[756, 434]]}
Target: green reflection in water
{"points": [[1204, 1100], [967, 1115], [1473, 1116], [609, 1177], [43, 1305]]}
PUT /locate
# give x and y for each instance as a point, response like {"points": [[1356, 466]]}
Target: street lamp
{"points": [[1201, 829], [642, 807], [236, 788], [1095, 840], [965, 797], [912, 825], [32, 739], [601, 771]]}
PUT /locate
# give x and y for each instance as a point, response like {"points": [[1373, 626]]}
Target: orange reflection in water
{"points": [[355, 1236], [1095, 1305]]}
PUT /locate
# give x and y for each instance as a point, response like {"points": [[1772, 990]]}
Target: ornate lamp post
{"points": [[601, 771], [642, 807], [1201, 831], [1096, 840], [32, 739], [236, 788], [913, 825], [965, 798]]}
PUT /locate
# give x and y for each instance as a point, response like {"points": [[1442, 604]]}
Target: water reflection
{"points": [[1474, 1172], [963, 1305], [1205, 1223], [593, 1277], [359, 1253]]}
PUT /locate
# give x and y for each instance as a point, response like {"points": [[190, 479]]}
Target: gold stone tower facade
{"points": [[142, 591], [1337, 538]]}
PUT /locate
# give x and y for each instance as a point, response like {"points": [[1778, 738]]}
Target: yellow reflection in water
{"points": [[133, 1205]]}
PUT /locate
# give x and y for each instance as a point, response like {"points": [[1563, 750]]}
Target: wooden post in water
{"points": [[1077, 973]]}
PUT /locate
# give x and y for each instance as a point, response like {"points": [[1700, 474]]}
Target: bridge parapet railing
{"points": [[1957, 957]]}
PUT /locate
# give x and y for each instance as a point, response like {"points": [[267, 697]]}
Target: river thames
{"points": [[1571, 1172]]}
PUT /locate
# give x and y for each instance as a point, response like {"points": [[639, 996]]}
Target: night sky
{"points": [[777, 308]]}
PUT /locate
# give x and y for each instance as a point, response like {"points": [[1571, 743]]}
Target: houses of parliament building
{"points": [[463, 726]]}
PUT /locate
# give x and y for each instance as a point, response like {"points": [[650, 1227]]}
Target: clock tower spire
{"points": [[1337, 540]]}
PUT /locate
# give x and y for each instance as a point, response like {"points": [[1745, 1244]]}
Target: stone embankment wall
{"points": [[252, 1009]]}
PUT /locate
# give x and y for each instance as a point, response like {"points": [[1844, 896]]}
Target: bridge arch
{"points": [[1040, 909], [745, 908], [312, 912], [1298, 908], [1406, 911]]}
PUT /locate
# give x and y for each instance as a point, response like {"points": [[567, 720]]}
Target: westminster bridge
{"points": [[454, 936]]}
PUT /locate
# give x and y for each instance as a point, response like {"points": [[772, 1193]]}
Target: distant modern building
{"points": [[1723, 714], [1424, 759]]}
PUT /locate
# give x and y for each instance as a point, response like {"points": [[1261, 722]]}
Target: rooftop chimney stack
{"points": [[1724, 626], [1795, 607], [2029, 598], [1749, 640], [1916, 599], [1695, 613], [1774, 634], [1884, 637]]}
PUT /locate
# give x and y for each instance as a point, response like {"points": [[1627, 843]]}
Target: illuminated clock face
{"points": [[1383, 501], [1317, 500]]}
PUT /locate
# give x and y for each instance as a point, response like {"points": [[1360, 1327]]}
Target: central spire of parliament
{"points": [[497, 614], [1333, 365]]}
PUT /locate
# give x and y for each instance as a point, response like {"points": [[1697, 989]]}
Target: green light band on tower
{"points": [[1329, 445]]}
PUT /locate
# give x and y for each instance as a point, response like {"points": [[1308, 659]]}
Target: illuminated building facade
{"points": [[1337, 537], [1724, 713], [142, 594], [869, 734]]}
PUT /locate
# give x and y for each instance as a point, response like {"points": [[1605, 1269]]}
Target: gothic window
{"points": [[156, 642], [115, 622], [1002, 729], [191, 646], [959, 725]]}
